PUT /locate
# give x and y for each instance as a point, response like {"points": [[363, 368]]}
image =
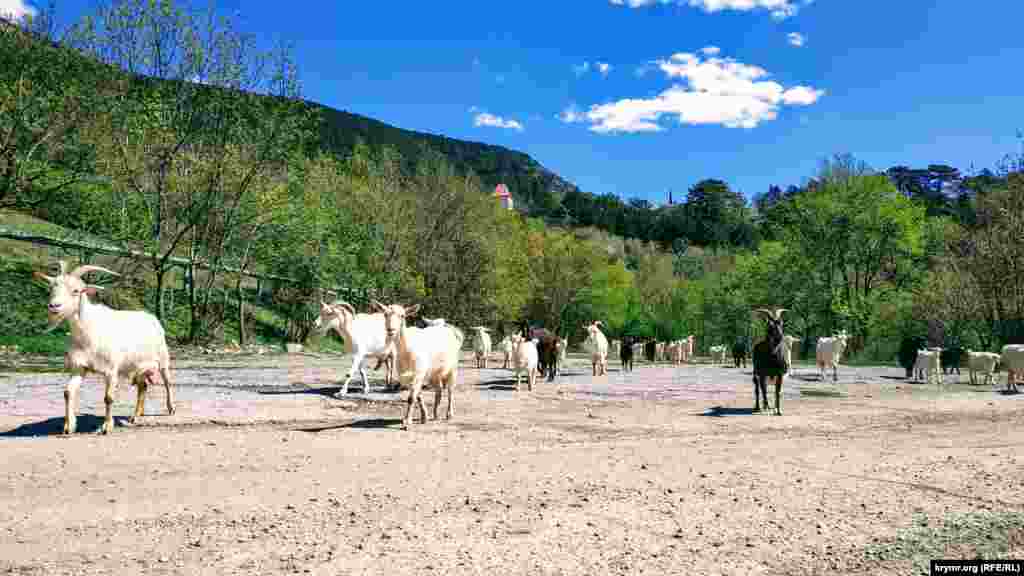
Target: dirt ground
{"points": [[665, 470]]}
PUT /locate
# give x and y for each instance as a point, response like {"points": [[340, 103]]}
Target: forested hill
{"points": [[534, 187]]}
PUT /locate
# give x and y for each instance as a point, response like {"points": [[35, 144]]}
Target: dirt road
{"points": [[662, 471]]}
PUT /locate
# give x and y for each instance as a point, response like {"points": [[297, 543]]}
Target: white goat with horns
{"points": [[112, 343], [364, 336]]}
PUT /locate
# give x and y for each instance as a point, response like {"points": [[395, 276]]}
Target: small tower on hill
{"points": [[503, 195]]}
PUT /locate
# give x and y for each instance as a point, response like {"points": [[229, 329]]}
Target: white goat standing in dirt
{"points": [[525, 358], [112, 343], [598, 346], [506, 348], [426, 356], [481, 345], [364, 338]]}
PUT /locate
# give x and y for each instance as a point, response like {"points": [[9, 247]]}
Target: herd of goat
{"points": [[131, 345]]}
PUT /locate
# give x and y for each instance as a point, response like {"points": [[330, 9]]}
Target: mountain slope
{"points": [[532, 185]]}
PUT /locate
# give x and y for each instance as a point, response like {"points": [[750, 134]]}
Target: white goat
{"points": [[115, 344], [597, 344], [563, 354], [983, 362], [481, 345], [525, 358], [426, 357], [688, 343], [828, 353], [506, 351], [787, 346], [928, 365], [717, 354], [364, 338], [1012, 359]]}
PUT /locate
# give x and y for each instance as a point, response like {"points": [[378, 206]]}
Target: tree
{"points": [[188, 129], [859, 237], [46, 98], [717, 216], [563, 270]]}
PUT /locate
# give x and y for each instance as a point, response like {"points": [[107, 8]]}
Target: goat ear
{"points": [[412, 310], [377, 305]]}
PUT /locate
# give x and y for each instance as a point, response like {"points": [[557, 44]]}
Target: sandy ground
{"points": [[661, 471]]}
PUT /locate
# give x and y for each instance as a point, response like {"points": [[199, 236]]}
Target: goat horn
{"points": [[42, 276], [86, 268], [345, 305]]}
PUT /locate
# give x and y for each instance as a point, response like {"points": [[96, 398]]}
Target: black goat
{"points": [[951, 359], [908, 352], [650, 348], [547, 349], [770, 361], [626, 353], [740, 351]]}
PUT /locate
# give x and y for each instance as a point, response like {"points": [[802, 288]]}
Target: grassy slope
{"points": [[23, 312]]}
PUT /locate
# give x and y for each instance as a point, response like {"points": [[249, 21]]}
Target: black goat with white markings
{"points": [[770, 361]]}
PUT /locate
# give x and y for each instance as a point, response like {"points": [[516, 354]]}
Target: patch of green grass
{"points": [[987, 535]]}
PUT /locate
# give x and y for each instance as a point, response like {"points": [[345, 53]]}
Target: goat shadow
{"points": [[366, 424], [355, 392], [87, 423], [720, 411], [1005, 392], [503, 384]]}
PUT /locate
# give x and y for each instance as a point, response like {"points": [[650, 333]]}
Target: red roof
{"points": [[501, 191]]}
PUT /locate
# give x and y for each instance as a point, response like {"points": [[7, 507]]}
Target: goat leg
{"points": [[108, 402], [450, 412], [71, 403], [778, 395], [165, 374], [141, 383], [357, 364]]}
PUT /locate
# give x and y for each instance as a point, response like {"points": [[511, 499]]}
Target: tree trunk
{"points": [[241, 312], [160, 270], [194, 317]]}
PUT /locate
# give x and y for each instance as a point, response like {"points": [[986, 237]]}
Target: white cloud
{"points": [[487, 119], [708, 91], [16, 10], [572, 114], [710, 50], [796, 39], [801, 96], [604, 68], [779, 9]]}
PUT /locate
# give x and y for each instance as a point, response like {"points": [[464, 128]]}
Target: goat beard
{"points": [[55, 320]]}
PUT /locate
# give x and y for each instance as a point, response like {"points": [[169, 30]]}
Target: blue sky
{"points": [[635, 97]]}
